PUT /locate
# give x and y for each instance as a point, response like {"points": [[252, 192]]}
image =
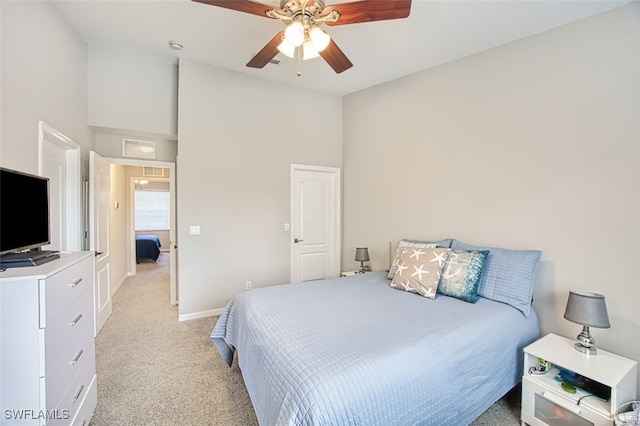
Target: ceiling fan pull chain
{"points": [[299, 49]]}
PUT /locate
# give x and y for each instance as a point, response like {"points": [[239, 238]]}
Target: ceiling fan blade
{"points": [[267, 53], [247, 6], [336, 58], [368, 10]]}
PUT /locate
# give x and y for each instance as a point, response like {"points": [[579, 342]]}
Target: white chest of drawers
{"points": [[47, 345]]}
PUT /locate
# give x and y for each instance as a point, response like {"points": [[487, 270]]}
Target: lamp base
{"points": [[585, 342], [361, 270], [585, 349]]}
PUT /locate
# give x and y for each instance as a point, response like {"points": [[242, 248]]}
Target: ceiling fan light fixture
{"points": [[319, 39], [287, 49], [308, 51], [294, 34]]}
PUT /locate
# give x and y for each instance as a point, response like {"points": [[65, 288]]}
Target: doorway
{"points": [[130, 213]]}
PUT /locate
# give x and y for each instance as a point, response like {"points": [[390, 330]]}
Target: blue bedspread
{"points": [[353, 351], [147, 247]]}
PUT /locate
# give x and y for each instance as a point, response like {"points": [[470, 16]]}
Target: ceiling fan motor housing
{"points": [[307, 13]]}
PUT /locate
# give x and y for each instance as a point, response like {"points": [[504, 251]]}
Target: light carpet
{"points": [[154, 370]]}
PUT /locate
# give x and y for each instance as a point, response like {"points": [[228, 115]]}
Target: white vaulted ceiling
{"points": [[436, 32]]}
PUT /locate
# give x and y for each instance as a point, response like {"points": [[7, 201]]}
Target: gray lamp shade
{"points": [[587, 309], [362, 254]]}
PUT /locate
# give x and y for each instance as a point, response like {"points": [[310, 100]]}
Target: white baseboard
{"points": [[117, 287], [203, 314]]}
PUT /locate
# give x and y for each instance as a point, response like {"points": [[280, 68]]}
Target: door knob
{"points": [[297, 241]]}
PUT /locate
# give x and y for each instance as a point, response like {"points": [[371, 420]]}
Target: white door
{"points": [[315, 228], [173, 245], [99, 189]]}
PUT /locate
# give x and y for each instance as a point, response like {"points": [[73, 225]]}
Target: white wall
{"points": [[532, 145], [119, 221], [238, 138], [43, 77], [131, 91], [135, 96]]}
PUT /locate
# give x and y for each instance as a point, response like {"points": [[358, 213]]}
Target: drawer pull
{"points": [[76, 282], [75, 320], [77, 395], [77, 357]]}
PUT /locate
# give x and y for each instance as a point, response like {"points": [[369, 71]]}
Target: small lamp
{"points": [[589, 310], [362, 255]]}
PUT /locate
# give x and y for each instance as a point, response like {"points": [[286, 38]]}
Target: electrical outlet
{"points": [[247, 285]]}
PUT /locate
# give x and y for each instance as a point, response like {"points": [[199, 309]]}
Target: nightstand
{"points": [[546, 402]]}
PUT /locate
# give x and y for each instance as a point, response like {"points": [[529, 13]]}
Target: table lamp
{"points": [[362, 255], [589, 310]]}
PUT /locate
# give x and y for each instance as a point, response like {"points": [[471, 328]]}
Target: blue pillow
{"points": [[508, 275], [462, 273]]}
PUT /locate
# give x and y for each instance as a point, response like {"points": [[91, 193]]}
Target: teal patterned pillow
{"points": [[461, 274]]}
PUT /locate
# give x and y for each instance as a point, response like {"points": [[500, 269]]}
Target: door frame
{"points": [[337, 215], [72, 183], [131, 232]]}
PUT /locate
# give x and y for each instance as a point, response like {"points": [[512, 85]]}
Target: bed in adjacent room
{"points": [[147, 247], [359, 351]]}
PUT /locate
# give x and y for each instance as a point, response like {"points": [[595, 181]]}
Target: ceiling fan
{"points": [[302, 20]]}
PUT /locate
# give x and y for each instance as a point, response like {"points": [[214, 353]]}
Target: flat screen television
{"points": [[24, 212]]}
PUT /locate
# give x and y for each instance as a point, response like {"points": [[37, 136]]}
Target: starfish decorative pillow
{"points": [[419, 270]]}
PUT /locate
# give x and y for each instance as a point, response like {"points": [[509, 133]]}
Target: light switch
{"points": [[194, 230], [286, 227]]}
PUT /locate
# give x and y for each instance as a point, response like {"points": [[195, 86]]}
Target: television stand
{"points": [[27, 258]]}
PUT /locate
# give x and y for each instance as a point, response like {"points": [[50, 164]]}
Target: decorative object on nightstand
{"points": [[362, 255], [589, 310]]}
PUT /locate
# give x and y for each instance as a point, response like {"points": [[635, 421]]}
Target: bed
{"points": [[356, 351], [147, 247]]}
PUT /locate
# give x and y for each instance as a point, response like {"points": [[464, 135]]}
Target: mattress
{"points": [[354, 351]]}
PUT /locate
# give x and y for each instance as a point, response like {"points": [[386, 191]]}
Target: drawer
{"points": [[66, 370], [69, 332], [85, 411], [58, 291], [543, 406], [81, 390]]}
